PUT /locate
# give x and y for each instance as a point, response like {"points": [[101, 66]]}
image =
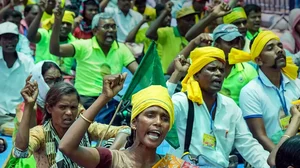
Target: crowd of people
{"points": [[63, 62]]}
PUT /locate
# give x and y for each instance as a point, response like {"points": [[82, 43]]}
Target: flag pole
{"points": [[111, 121]]}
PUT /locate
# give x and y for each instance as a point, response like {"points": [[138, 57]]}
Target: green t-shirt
{"points": [[92, 64], [240, 75], [169, 44], [43, 53]]}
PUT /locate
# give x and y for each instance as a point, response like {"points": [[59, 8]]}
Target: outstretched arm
{"points": [[131, 36], [29, 94], [33, 35], [218, 11], [66, 50], [69, 145], [152, 31]]}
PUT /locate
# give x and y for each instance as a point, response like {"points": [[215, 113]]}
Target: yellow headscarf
{"points": [[154, 95], [200, 58], [238, 56], [237, 13], [68, 17]]}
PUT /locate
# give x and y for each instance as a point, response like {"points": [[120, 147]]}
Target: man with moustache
{"points": [[218, 125], [90, 55], [265, 101]]}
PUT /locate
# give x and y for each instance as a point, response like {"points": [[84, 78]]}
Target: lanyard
{"points": [[281, 98], [211, 117]]}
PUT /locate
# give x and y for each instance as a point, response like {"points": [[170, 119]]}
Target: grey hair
{"points": [[99, 16]]}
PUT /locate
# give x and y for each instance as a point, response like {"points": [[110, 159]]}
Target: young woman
{"points": [[61, 110], [152, 117]]}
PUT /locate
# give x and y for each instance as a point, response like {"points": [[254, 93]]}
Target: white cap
{"points": [[8, 27]]}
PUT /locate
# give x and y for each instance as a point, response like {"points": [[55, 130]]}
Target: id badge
{"points": [[209, 141], [284, 120]]}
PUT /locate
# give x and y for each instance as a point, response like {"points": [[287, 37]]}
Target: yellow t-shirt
{"points": [[93, 64], [169, 44], [141, 38]]}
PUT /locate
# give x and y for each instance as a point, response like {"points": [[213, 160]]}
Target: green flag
{"points": [[150, 73]]}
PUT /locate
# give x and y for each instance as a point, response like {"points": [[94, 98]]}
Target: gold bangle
{"points": [[286, 136], [84, 118]]}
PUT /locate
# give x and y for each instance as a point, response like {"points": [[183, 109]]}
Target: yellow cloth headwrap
{"points": [[200, 58], [238, 56], [154, 95], [68, 17], [237, 13]]}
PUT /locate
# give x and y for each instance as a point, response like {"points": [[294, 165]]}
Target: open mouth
{"points": [[68, 121], [109, 38], [154, 135]]}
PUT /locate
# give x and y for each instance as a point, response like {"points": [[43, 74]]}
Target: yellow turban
{"points": [[200, 58], [238, 56], [68, 17], [154, 95], [237, 13]]}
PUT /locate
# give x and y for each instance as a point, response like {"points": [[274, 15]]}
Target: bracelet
{"points": [[84, 118], [286, 136]]}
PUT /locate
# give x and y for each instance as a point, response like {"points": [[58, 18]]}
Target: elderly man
{"points": [[266, 100], [14, 69], [102, 55], [222, 124]]}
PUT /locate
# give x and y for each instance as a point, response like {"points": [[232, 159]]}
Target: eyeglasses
{"points": [[109, 26]]}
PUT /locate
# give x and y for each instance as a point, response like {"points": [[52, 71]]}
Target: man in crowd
{"points": [[13, 66], [170, 40], [222, 124], [253, 13], [102, 55], [41, 37], [266, 100]]}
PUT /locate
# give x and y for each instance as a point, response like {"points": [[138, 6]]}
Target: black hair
{"points": [[54, 95], [90, 2], [11, 13], [289, 153], [159, 8], [28, 8], [140, 2], [47, 65], [252, 7], [72, 8]]}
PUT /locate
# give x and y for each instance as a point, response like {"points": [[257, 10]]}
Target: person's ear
{"points": [[133, 124], [258, 61], [48, 108], [197, 76]]}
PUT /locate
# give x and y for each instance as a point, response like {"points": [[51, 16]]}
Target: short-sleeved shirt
{"points": [[93, 64], [43, 53], [259, 99], [169, 44], [240, 75]]}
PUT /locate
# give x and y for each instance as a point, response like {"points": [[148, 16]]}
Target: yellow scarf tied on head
{"points": [[154, 95], [237, 13], [238, 56], [68, 17], [200, 58]]}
